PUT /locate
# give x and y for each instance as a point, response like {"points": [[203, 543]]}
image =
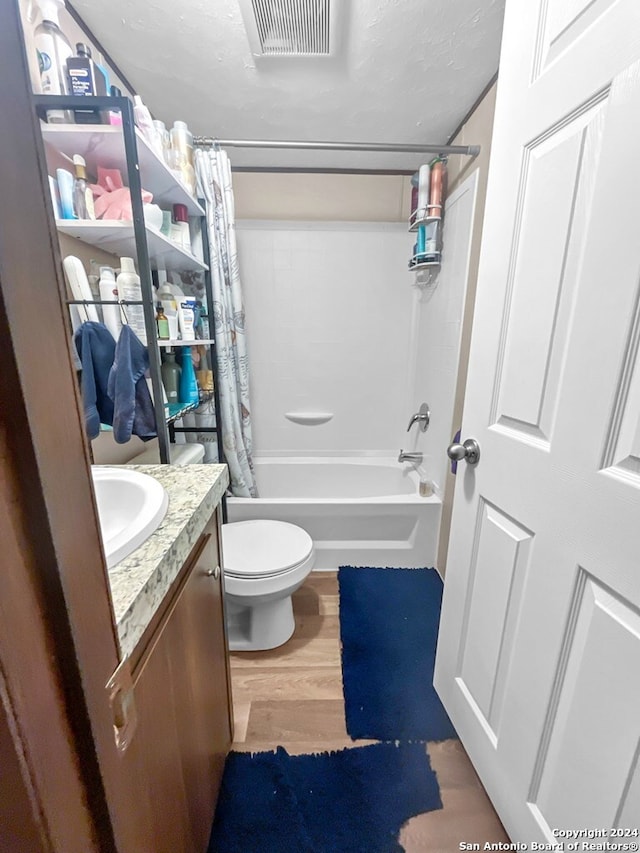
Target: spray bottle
{"points": [[53, 49]]}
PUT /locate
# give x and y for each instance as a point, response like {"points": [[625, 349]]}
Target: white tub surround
{"points": [[336, 341], [358, 511], [140, 582]]}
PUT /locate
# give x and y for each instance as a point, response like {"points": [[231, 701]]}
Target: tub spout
{"points": [[406, 456]]}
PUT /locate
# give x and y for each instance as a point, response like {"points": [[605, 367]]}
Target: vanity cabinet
{"points": [[182, 699]]}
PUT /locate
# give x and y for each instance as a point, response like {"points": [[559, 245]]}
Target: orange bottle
{"points": [[436, 190]]}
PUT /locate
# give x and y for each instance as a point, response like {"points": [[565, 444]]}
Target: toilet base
{"points": [[260, 627]]}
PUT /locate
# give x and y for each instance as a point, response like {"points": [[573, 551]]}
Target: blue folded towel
{"points": [[133, 407], [96, 348]]}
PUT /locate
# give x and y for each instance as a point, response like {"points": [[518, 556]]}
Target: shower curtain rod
{"points": [[465, 150]]}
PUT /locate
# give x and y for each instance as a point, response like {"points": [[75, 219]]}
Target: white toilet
{"points": [[264, 563]]}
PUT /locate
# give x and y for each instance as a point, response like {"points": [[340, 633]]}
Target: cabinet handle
{"points": [[214, 573]]}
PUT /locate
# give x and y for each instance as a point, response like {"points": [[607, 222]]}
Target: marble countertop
{"points": [[140, 582]]}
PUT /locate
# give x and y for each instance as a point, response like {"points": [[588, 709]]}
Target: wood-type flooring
{"points": [[292, 697]]}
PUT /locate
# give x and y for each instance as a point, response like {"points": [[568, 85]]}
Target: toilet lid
{"points": [[263, 548]]}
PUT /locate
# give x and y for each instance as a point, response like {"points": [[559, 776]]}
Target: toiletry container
{"points": [[114, 117], [85, 78], [181, 217], [165, 139], [171, 373], [170, 307], [162, 323], [152, 216], [188, 391], [144, 121], [182, 153], [167, 224], [421, 243], [129, 289], [53, 50], [414, 197], [186, 318], [436, 189], [82, 195], [424, 185], [109, 292], [65, 189]]}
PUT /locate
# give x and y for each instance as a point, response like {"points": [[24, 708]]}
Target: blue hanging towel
{"points": [[133, 407], [96, 348]]}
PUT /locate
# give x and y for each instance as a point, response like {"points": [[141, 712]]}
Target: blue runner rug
{"points": [[389, 629], [352, 801]]}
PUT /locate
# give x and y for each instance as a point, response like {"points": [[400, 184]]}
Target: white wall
{"points": [[328, 312], [438, 313]]}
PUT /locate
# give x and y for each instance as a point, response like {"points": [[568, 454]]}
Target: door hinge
{"points": [[122, 704]]}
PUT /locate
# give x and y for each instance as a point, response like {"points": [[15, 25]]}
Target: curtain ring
{"points": [[123, 312]]}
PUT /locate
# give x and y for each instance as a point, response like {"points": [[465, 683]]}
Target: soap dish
{"points": [[309, 418]]}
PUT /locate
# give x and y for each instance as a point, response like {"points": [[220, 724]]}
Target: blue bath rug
{"points": [[389, 629], [352, 801]]}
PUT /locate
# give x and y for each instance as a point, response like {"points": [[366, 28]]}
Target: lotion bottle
{"points": [[128, 283]]}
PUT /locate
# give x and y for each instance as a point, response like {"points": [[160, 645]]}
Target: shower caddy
{"points": [[126, 148]]}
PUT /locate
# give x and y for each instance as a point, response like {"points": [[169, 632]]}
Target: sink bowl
{"points": [[131, 505]]}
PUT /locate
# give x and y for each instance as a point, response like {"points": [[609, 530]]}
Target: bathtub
{"points": [[358, 511]]}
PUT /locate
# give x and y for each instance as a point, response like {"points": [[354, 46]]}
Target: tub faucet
{"points": [[406, 456], [422, 416]]}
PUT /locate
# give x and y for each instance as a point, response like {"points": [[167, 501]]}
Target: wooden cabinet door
{"points": [[182, 700], [196, 650]]}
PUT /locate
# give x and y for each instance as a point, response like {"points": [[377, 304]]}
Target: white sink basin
{"points": [[131, 505]]}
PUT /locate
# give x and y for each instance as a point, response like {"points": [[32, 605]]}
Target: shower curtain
{"points": [[213, 171]]}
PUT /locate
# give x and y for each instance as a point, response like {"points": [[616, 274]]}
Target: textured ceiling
{"points": [[407, 71]]}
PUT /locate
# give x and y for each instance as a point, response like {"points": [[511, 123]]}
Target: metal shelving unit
{"points": [[126, 149]]}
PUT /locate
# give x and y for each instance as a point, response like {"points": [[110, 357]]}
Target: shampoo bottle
{"points": [[188, 384], [128, 283], [53, 50], [171, 377], [109, 293], [436, 190]]}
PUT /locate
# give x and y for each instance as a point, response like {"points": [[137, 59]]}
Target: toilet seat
{"points": [[262, 548]]}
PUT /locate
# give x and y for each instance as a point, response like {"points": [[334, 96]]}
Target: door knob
{"points": [[213, 573], [469, 450]]}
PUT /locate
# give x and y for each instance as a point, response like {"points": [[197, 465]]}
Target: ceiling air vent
{"points": [[283, 28]]}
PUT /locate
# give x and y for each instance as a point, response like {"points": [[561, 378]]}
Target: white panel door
{"points": [[539, 652]]}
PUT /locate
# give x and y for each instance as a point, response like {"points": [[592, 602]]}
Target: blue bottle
{"points": [[188, 385]]}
